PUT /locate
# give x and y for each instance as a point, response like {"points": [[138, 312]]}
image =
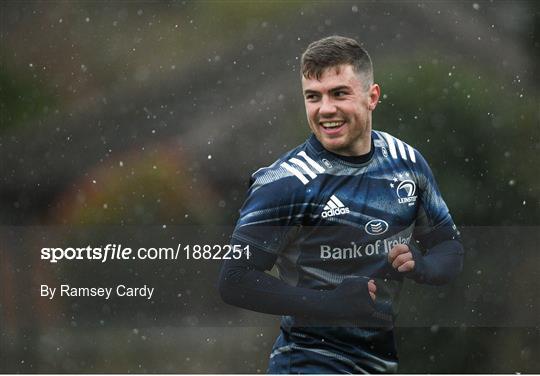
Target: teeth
{"points": [[333, 124]]}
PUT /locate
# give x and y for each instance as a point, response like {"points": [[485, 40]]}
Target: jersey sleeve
{"points": [[270, 215], [434, 223]]}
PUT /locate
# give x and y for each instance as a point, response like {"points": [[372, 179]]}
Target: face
{"points": [[338, 108]]}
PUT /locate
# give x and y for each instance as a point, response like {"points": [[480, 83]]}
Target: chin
{"points": [[333, 145]]}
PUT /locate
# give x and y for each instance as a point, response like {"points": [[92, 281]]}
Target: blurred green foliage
{"points": [[23, 98], [142, 188], [479, 133]]}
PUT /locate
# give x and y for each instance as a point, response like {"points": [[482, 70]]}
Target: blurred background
{"points": [[143, 121]]}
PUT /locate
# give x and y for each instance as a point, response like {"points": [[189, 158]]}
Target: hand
{"points": [[358, 295], [401, 258], [372, 289], [352, 288]]}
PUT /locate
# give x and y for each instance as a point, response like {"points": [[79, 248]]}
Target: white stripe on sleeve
{"points": [[295, 172], [313, 164], [391, 145], [401, 149], [304, 167], [411, 153]]}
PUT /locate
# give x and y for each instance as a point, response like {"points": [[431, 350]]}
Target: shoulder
{"points": [[396, 149], [294, 170], [279, 193], [399, 155]]}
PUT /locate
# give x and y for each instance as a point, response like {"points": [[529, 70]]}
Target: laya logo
{"points": [[382, 145], [334, 207], [376, 227], [326, 163], [405, 189]]}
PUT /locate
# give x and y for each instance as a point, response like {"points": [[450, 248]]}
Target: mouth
{"points": [[332, 127]]}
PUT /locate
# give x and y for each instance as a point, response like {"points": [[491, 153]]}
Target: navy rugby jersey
{"points": [[327, 219]]}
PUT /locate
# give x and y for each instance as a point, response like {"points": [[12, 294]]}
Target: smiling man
{"points": [[339, 101], [345, 217]]}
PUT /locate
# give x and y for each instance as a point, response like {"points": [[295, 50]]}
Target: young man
{"points": [[345, 217]]}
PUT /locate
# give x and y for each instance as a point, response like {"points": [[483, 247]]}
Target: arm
{"points": [[269, 221], [244, 283], [440, 265], [436, 233]]}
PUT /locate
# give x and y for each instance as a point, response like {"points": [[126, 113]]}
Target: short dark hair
{"points": [[334, 51]]}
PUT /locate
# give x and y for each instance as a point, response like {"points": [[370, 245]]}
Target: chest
{"points": [[373, 200]]}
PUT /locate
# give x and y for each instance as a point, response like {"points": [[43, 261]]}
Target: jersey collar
{"points": [[356, 160]]}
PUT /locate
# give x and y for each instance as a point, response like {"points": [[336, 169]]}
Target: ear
{"points": [[374, 94]]}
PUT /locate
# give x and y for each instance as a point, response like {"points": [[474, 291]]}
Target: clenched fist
{"points": [[401, 258]]}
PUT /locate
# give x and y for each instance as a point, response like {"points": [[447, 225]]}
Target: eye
{"points": [[340, 93], [311, 97]]}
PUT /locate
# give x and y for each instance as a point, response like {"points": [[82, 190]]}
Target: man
{"points": [[345, 217]]}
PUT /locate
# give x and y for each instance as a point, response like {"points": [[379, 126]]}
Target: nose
{"points": [[327, 108]]}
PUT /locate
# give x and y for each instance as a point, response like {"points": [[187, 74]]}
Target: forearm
{"points": [[440, 265], [258, 291], [244, 286]]}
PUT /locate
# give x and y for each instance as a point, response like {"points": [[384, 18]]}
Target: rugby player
{"points": [[345, 217]]}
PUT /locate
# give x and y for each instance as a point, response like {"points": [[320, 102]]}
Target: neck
{"points": [[357, 157], [361, 147]]}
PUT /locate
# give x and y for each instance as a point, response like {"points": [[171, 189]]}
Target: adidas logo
{"points": [[334, 207]]}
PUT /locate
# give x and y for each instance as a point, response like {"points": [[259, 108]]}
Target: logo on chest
{"points": [[334, 207], [405, 188], [376, 227]]}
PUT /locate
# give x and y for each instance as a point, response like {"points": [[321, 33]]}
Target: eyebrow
{"points": [[337, 88]]}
